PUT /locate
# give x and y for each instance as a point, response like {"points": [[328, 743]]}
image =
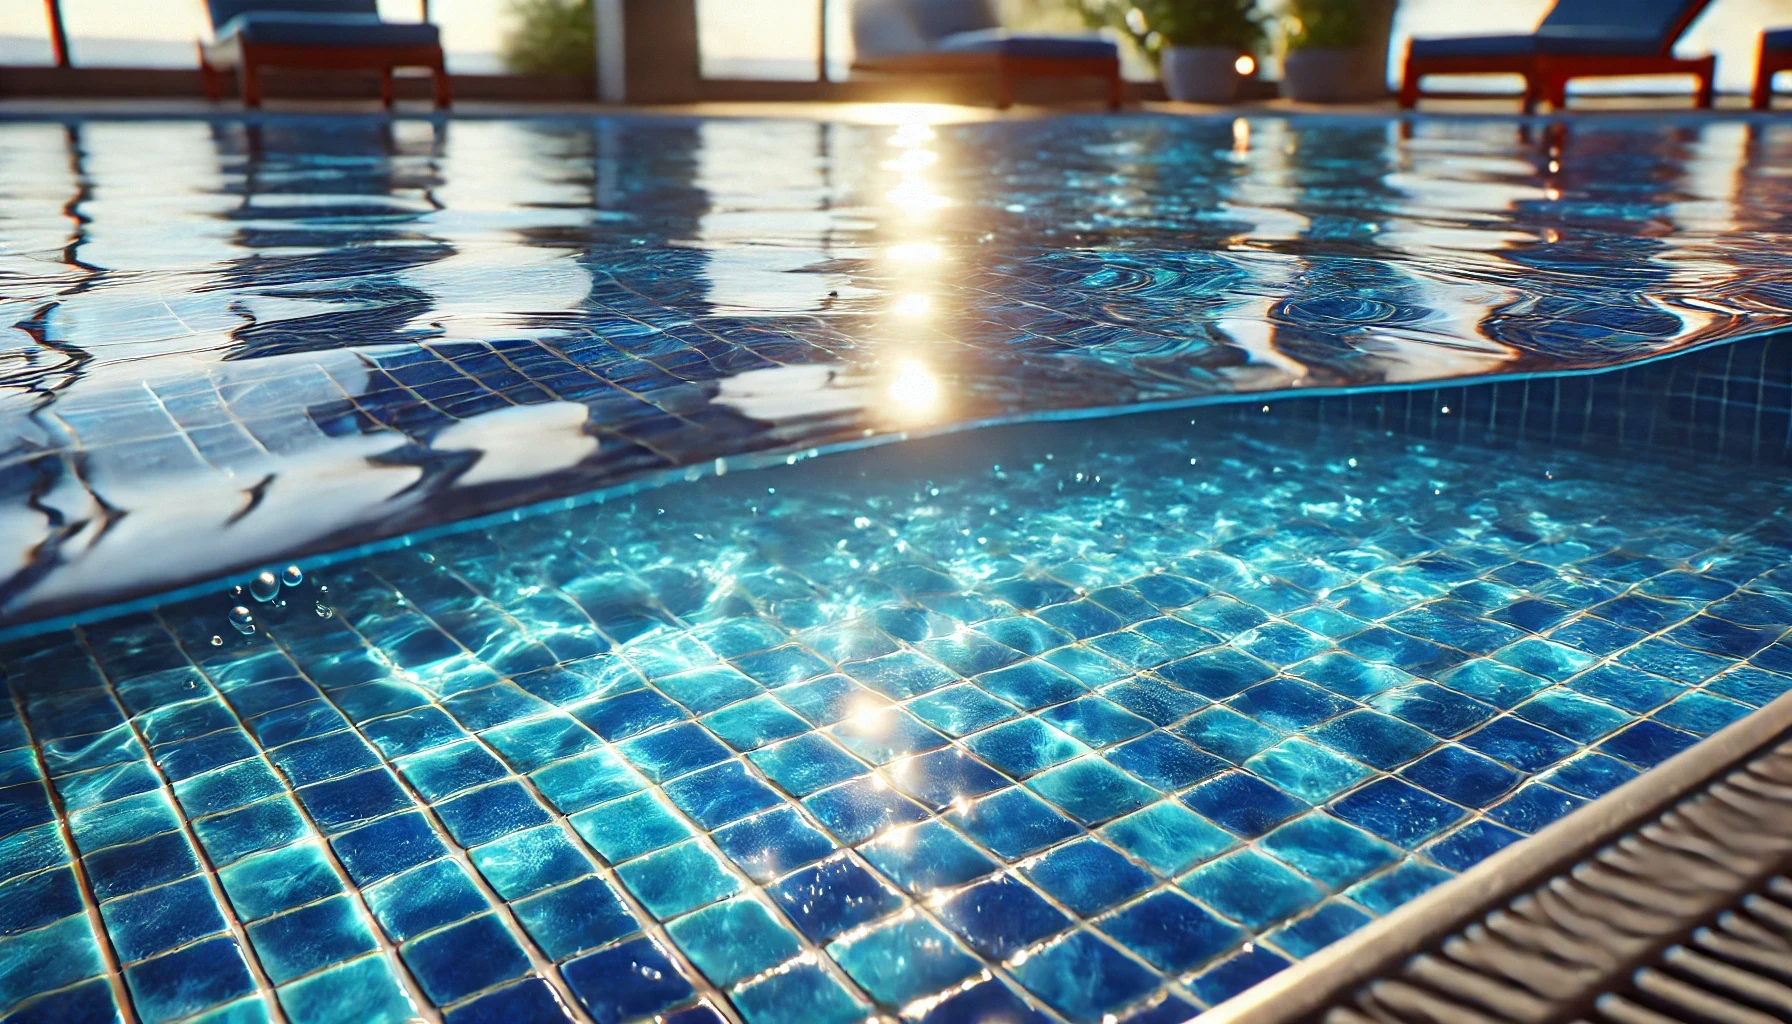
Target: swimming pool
{"points": [[626, 671]]}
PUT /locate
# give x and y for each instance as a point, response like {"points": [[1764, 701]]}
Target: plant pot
{"points": [[1324, 75], [1200, 74]]}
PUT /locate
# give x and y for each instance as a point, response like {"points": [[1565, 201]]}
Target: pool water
{"points": [[1094, 718], [720, 591], [227, 343]]}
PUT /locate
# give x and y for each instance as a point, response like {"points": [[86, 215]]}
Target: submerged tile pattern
{"points": [[303, 333], [1072, 721]]}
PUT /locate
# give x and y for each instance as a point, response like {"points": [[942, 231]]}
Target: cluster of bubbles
{"points": [[264, 588]]}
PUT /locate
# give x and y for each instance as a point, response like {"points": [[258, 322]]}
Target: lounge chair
{"points": [[945, 37], [1577, 39], [1776, 56], [324, 34]]}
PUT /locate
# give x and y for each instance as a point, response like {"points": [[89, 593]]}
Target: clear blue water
{"points": [[228, 343], [1052, 721]]}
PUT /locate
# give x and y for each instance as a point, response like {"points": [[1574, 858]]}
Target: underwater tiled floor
{"points": [[1042, 723]]}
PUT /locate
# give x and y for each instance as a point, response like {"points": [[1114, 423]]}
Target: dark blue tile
{"points": [[926, 857], [1087, 876], [1289, 704], [485, 814], [903, 959], [433, 895], [189, 980], [1534, 807], [633, 980], [629, 714], [772, 843], [1165, 762], [1040, 682], [1252, 889], [834, 896], [943, 777], [1158, 702], [1217, 674], [1434, 709], [456, 962], [858, 810], [1026, 747], [1013, 823], [1647, 744], [724, 793], [385, 848], [1574, 716], [344, 803], [36, 900], [310, 938], [1391, 890], [803, 765], [1318, 930], [1519, 744], [1172, 932], [1591, 775], [1629, 689], [87, 1003], [118, 870], [1095, 721], [1001, 916], [1327, 850], [1470, 844], [328, 757], [1235, 974], [529, 1002], [984, 1003], [574, 918], [669, 753], [1083, 978], [1397, 812], [259, 826], [1386, 646], [1466, 778], [458, 767], [1374, 739], [1243, 803], [160, 919]]}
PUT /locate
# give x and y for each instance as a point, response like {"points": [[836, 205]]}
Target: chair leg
{"points": [[444, 89], [1556, 92], [1409, 86], [1533, 92], [1707, 83], [386, 88], [208, 77], [1116, 90], [250, 73], [1004, 86]]}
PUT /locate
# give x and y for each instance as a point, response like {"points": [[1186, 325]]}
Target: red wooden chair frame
{"points": [[1004, 68], [1772, 63], [1546, 76], [250, 58]]}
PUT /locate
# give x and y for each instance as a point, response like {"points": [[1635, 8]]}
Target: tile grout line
{"points": [[91, 904]]}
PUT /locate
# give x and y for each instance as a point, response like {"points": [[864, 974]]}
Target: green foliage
{"points": [[1325, 24], [551, 37], [1233, 24]]}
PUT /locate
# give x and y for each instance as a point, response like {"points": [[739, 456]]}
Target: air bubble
{"points": [[293, 576], [242, 620], [324, 611], [264, 586], [217, 641]]}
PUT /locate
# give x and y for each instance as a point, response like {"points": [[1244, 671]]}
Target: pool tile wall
{"points": [[1075, 721]]}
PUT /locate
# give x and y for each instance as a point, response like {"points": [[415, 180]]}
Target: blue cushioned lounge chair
{"points": [[1776, 56], [1577, 39], [922, 37], [324, 34]]}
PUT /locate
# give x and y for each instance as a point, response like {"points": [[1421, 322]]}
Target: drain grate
{"points": [[1680, 914]]}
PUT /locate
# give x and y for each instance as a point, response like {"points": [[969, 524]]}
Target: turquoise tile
{"points": [[1168, 836], [624, 829], [733, 940], [677, 880], [903, 960], [364, 991]]}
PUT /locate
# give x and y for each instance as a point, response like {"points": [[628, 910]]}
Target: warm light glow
{"points": [[913, 160], [917, 196], [1246, 65], [1241, 134], [914, 305], [915, 389], [915, 252]]}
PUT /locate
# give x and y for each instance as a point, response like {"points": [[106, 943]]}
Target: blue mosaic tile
{"points": [[903, 959], [1087, 876]]}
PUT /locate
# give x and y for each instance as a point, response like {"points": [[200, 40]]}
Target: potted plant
{"points": [[1203, 47], [1337, 50]]}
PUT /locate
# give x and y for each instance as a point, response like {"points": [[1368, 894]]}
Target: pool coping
{"points": [[1324, 985]]}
